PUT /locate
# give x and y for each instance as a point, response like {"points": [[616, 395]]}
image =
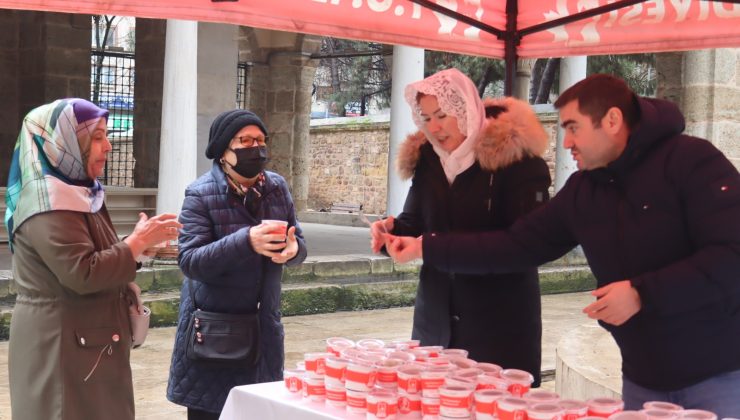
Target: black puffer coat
{"points": [[495, 317], [666, 215], [216, 254]]}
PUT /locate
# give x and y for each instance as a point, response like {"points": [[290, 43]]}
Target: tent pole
{"points": [[511, 41]]}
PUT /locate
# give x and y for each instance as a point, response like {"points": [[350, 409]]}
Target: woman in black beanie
{"points": [[233, 260]]}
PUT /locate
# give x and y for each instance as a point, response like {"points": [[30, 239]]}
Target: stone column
{"points": [[216, 92], [301, 139], [572, 70], [150, 51], [711, 98], [287, 117], [257, 89], [523, 75], [408, 66], [669, 76], [177, 164]]}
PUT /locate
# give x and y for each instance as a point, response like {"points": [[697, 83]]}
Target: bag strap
{"points": [[259, 289]]}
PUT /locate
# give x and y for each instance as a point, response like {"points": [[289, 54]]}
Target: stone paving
{"points": [[150, 363]]}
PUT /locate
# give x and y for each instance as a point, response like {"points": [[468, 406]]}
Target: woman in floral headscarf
{"points": [[70, 334], [474, 166]]}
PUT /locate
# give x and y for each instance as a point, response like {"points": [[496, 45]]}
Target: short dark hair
{"points": [[599, 92]]}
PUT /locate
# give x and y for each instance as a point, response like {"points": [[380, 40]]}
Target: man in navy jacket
{"points": [[657, 213]]}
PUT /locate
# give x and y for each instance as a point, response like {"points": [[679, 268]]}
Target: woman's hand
{"points": [[135, 304], [379, 233], [290, 249], [150, 232], [266, 243], [404, 248]]}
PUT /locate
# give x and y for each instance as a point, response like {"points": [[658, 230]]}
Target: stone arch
{"points": [[278, 88]]}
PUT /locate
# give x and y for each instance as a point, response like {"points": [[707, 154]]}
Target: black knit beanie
{"points": [[225, 126]]}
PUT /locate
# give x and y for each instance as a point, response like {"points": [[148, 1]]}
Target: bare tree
{"points": [[547, 80], [102, 24]]}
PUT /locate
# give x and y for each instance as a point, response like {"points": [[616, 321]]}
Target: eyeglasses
{"points": [[249, 141]]}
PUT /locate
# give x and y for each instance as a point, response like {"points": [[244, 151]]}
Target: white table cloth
{"points": [[271, 400]]}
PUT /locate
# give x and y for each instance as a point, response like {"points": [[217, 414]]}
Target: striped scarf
{"points": [[48, 171]]}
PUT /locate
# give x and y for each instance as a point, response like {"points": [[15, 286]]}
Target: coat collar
{"points": [[220, 177], [514, 135]]}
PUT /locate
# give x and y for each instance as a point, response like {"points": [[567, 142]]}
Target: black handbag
{"points": [[223, 338]]}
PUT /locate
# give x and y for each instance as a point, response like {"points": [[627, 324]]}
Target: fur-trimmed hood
{"points": [[508, 138]]}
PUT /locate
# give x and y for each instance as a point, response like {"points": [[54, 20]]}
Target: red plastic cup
{"points": [[574, 409], [433, 378], [360, 376], [387, 376], [409, 379], [335, 371], [356, 401], [662, 405], [313, 388], [512, 408], [698, 415], [335, 345], [277, 227], [455, 401], [628, 415], [409, 406], [429, 406], [604, 407], [658, 414], [382, 404], [519, 381], [486, 381], [486, 403], [294, 381], [540, 397], [490, 369], [545, 411], [316, 362]]}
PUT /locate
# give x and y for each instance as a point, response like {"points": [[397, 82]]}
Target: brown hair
{"points": [[599, 92]]}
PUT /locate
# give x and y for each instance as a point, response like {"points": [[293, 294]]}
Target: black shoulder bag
{"points": [[223, 338]]}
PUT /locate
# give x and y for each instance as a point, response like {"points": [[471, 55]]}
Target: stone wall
{"points": [[43, 57], [349, 163]]}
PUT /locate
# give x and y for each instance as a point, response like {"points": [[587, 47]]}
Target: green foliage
{"points": [[486, 73], [355, 76], [638, 70]]}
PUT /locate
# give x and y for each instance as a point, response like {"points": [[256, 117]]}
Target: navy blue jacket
{"points": [[216, 254], [666, 215]]}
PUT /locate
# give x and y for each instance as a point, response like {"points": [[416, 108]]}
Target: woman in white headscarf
{"points": [[70, 334], [474, 166]]}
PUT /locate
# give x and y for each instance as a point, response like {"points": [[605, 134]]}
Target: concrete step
{"points": [[321, 285]]}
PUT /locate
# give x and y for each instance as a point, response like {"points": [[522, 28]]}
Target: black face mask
{"points": [[250, 161]]}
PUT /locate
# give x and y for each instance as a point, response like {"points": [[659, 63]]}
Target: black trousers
{"points": [[194, 414]]}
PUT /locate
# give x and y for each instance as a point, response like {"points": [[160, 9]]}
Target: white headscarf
{"points": [[458, 97]]}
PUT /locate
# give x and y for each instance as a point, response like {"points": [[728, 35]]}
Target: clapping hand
{"points": [[404, 248], [149, 232], [379, 231]]}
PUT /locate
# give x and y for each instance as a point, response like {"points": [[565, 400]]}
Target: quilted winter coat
{"points": [[216, 254]]}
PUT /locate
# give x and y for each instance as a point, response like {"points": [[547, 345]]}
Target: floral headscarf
{"points": [[457, 96], [49, 167]]}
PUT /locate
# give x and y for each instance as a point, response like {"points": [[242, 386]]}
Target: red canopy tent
{"points": [[494, 28]]}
